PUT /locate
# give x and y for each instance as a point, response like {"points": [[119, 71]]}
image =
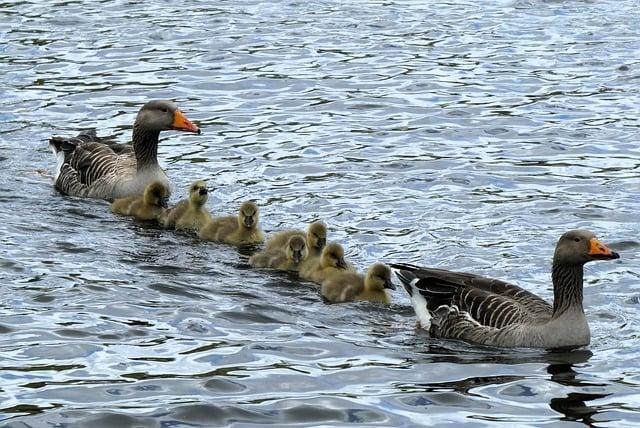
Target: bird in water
{"points": [[90, 167]]}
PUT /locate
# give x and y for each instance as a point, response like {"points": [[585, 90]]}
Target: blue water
{"points": [[463, 135]]}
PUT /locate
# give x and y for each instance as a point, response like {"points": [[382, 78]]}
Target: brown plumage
{"points": [[288, 258], [330, 262], [190, 213], [493, 312], [150, 206], [350, 286], [90, 167], [236, 230]]}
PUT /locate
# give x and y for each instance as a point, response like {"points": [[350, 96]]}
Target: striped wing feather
{"points": [[488, 301]]}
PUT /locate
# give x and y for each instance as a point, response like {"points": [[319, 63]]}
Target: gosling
{"points": [[150, 206], [330, 262], [350, 286], [235, 230], [316, 238], [189, 214], [289, 259]]}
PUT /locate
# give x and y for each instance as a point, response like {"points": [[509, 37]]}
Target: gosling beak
{"points": [[164, 202], [297, 256], [181, 123], [248, 221], [341, 263], [389, 285], [203, 191], [322, 242], [599, 251]]}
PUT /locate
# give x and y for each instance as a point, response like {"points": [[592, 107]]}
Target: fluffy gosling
{"points": [[235, 230], [330, 262], [150, 206], [316, 238], [350, 286], [294, 253], [189, 214]]}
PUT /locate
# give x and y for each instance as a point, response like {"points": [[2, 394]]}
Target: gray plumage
{"points": [[493, 312], [88, 166]]}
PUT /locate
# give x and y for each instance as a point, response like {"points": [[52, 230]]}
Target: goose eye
{"points": [[576, 239], [165, 110]]}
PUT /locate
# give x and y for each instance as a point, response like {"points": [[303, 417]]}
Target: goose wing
{"points": [[86, 161], [489, 302]]}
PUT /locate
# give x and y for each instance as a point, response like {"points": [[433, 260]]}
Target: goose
{"points": [[91, 168], [316, 238], [350, 286], [330, 262], [190, 213], [149, 206], [288, 259], [235, 230], [472, 308]]}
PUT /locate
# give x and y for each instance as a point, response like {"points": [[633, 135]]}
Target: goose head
{"points": [[577, 247], [156, 194], [297, 249], [163, 115], [378, 278], [248, 215], [198, 193], [333, 256], [317, 235]]}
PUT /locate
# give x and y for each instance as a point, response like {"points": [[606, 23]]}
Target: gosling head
{"points": [[333, 256], [580, 247], [297, 249], [317, 235], [198, 193], [378, 278], [248, 215], [156, 194]]}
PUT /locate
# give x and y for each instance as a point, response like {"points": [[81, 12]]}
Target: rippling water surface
{"points": [[464, 135]]}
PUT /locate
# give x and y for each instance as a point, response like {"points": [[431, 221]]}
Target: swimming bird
{"points": [[350, 286], [316, 238], [288, 258], [330, 262], [190, 213], [92, 168], [493, 312], [235, 230], [149, 206]]}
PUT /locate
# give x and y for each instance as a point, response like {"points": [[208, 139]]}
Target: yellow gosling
{"points": [[235, 230], [150, 206], [330, 262], [316, 238], [350, 286], [289, 259]]}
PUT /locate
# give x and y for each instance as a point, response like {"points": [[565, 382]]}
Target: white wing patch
{"points": [[59, 162], [419, 304]]}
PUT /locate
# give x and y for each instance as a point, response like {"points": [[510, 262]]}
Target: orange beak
{"points": [[181, 123], [598, 250]]}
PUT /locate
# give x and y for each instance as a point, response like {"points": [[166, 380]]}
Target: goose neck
{"points": [[567, 287], [145, 146]]}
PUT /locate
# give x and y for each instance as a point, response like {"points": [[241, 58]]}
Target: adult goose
{"points": [[492, 312], [91, 168]]}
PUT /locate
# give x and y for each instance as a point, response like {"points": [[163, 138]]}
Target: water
{"points": [[464, 135]]}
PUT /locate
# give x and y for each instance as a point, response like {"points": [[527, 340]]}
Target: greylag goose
{"points": [[489, 311], [150, 206], [235, 230], [350, 286], [91, 168], [190, 213], [288, 259], [330, 262], [316, 237]]}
